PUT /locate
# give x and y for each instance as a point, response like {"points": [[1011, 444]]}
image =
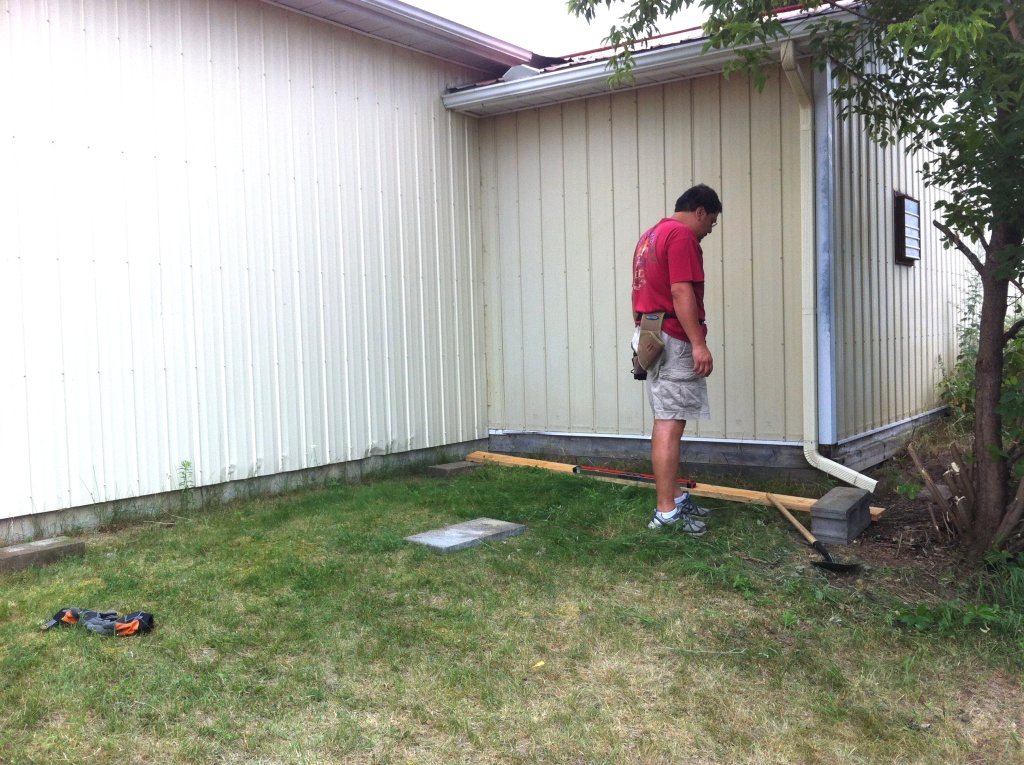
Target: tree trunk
{"points": [[991, 474]]}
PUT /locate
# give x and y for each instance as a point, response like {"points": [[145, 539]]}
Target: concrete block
{"points": [[18, 557], [841, 515], [468, 534], [451, 469]]}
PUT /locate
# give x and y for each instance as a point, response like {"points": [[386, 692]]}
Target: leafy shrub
{"points": [[958, 385]]}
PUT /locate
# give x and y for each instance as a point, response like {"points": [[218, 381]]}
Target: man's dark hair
{"points": [[699, 196]]}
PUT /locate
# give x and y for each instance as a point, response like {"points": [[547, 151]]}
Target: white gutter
{"points": [[585, 80], [411, 27], [808, 274], [670, 62]]}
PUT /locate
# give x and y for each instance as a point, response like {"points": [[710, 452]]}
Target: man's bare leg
{"points": [[665, 437]]}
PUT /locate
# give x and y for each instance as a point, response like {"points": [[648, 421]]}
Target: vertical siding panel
{"points": [[72, 244], [257, 336], [369, 327], [277, 33], [653, 169], [877, 291], [142, 227], [376, 322], [887, 288], [614, 324], [14, 446], [330, 427], [531, 275], [770, 298], [405, 296], [307, 331], [432, 262], [651, 132], [920, 281], [792, 264], [553, 234], [512, 299], [579, 268], [851, 369], [63, 165], [204, 272], [493, 286], [441, 290], [45, 377], [737, 257], [468, 323], [839, 267], [350, 289], [175, 284], [600, 161], [707, 153], [862, 338], [678, 131], [430, 283]]}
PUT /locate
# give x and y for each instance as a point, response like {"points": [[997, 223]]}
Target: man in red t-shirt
{"points": [[668, 275]]}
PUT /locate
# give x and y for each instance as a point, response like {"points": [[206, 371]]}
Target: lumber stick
{"points": [[701, 490], [508, 461]]}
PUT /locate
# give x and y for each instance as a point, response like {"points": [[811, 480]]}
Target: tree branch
{"points": [[1012, 19], [1013, 331], [960, 245]]}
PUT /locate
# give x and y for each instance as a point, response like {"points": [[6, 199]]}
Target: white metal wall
{"points": [[568, 189], [895, 324], [229, 234]]}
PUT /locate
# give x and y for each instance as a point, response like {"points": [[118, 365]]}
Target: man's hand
{"points": [[684, 302], [703, 364]]}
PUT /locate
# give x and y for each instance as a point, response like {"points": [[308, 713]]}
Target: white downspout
{"points": [[808, 271]]}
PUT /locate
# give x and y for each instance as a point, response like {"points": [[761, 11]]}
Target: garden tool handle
{"points": [[789, 516]]}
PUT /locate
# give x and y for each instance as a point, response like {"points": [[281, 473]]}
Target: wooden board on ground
{"points": [[701, 490]]}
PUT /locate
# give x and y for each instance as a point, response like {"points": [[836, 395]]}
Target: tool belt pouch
{"points": [[647, 343]]}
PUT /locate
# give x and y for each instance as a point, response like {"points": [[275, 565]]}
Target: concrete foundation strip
{"points": [[701, 490]]}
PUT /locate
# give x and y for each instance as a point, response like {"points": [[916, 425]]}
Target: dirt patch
{"points": [[911, 536]]}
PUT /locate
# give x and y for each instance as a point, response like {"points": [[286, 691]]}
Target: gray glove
{"points": [[101, 622]]}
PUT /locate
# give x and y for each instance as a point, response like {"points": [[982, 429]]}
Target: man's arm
{"points": [[684, 302]]}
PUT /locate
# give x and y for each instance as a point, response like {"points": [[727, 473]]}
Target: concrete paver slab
{"points": [[468, 534], [18, 557]]}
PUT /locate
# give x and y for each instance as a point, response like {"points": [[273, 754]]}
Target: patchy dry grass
{"points": [[303, 630]]}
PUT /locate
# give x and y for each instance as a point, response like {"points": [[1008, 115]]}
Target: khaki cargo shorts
{"points": [[674, 390]]}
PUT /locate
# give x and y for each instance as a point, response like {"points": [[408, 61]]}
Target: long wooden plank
{"points": [[508, 461], [701, 490]]}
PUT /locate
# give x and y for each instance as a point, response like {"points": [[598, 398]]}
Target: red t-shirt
{"points": [[668, 253]]}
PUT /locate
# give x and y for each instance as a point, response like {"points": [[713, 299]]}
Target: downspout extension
{"points": [[808, 271]]}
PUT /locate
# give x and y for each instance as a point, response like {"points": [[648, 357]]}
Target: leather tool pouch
{"points": [[649, 344]]}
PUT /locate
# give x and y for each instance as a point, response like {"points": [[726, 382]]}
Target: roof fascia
{"points": [[676, 62], [411, 27]]}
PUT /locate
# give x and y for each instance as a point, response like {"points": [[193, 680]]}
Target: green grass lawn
{"points": [[302, 629]]}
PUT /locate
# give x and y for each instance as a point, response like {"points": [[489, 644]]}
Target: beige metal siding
{"points": [[229, 234], [566, 192], [895, 324]]}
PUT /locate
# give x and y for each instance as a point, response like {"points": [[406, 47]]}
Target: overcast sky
{"points": [[540, 26]]}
